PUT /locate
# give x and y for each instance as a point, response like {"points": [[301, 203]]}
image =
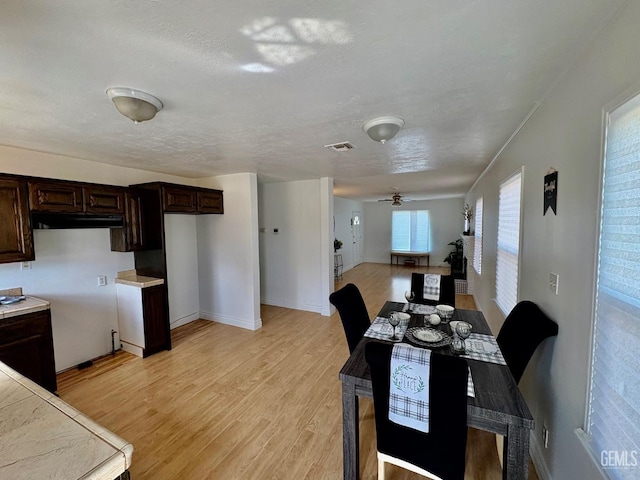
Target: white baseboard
{"points": [[423, 265], [131, 348], [537, 458], [306, 307], [184, 320], [233, 321]]}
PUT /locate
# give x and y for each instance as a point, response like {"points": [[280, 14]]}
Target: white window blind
{"points": [[508, 243], [614, 403], [477, 240], [410, 231]]}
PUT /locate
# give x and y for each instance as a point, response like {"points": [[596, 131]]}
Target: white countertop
{"points": [[29, 305], [41, 436], [131, 278]]}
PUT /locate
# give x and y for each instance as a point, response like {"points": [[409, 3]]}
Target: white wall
{"points": [[228, 265], [182, 268], [343, 211], [565, 133], [446, 222], [291, 261], [37, 164], [65, 273]]}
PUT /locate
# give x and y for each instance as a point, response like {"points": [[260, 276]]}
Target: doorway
{"points": [[356, 238]]}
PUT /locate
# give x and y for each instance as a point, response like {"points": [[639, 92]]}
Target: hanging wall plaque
{"points": [[550, 191]]}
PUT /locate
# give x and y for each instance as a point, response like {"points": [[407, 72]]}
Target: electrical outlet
{"points": [[102, 280], [25, 266], [545, 436], [554, 278]]}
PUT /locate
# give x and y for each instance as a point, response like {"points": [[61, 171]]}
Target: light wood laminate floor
{"points": [[228, 403]]}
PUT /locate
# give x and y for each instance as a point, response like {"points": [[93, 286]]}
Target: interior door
{"points": [[356, 238]]}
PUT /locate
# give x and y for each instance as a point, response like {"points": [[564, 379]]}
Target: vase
{"points": [[467, 227]]}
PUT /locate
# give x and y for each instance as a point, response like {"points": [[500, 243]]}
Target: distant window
{"points": [[410, 231], [477, 240], [508, 243], [614, 401]]}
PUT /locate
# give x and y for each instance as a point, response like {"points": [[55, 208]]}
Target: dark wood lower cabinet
{"points": [[157, 333], [26, 345]]}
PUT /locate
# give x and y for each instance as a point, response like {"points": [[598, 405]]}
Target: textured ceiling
{"points": [[262, 86]]}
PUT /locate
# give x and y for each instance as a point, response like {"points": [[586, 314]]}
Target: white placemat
{"points": [[484, 348], [381, 329], [419, 308]]}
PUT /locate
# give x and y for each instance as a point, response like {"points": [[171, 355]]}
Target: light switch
{"points": [[102, 280], [553, 282]]}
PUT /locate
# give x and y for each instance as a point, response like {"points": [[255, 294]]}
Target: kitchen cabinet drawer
{"points": [[56, 197], [210, 201], [16, 237], [26, 345]]}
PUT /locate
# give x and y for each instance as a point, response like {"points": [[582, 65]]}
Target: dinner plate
{"points": [[428, 335], [443, 338]]}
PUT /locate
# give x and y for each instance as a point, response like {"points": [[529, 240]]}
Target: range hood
{"points": [[46, 221]]}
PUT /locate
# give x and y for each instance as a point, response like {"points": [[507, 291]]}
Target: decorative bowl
{"points": [[445, 311]]}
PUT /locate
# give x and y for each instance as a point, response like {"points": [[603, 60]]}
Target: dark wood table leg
{"points": [[516, 454], [350, 432]]}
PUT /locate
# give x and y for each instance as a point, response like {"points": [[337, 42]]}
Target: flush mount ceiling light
{"points": [[134, 104], [383, 128]]}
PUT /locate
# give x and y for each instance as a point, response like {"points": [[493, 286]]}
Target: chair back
{"points": [[447, 290], [442, 450], [353, 313], [523, 330]]}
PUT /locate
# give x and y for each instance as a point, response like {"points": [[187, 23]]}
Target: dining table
{"points": [[496, 405]]}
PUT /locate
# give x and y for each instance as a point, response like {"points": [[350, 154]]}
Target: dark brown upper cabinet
{"points": [[185, 199], [16, 238], [59, 196], [210, 201], [100, 199], [53, 196], [142, 229], [179, 200]]}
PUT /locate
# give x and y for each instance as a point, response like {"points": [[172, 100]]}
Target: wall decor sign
{"points": [[550, 191]]}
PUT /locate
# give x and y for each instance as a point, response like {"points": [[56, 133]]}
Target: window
{"points": [[508, 243], [614, 401], [410, 231], [477, 241]]}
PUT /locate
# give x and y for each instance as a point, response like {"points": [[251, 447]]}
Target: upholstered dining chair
{"points": [[522, 332], [439, 454], [447, 290], [353, 313]]}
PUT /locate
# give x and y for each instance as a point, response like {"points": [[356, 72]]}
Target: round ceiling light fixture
{"points": [[382, 129], [134, 104]]}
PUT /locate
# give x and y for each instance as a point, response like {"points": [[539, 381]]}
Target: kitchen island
{"points": [[42, 436]]}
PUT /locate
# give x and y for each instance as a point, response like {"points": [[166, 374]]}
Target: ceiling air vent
{"points": [[340, 147]]}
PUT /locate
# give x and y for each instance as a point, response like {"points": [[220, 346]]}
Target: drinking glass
{"points": [[463, 330], [409, 296], [394, 320]]}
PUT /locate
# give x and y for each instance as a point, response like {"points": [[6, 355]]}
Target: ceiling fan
{"points": [[396, 200]]}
